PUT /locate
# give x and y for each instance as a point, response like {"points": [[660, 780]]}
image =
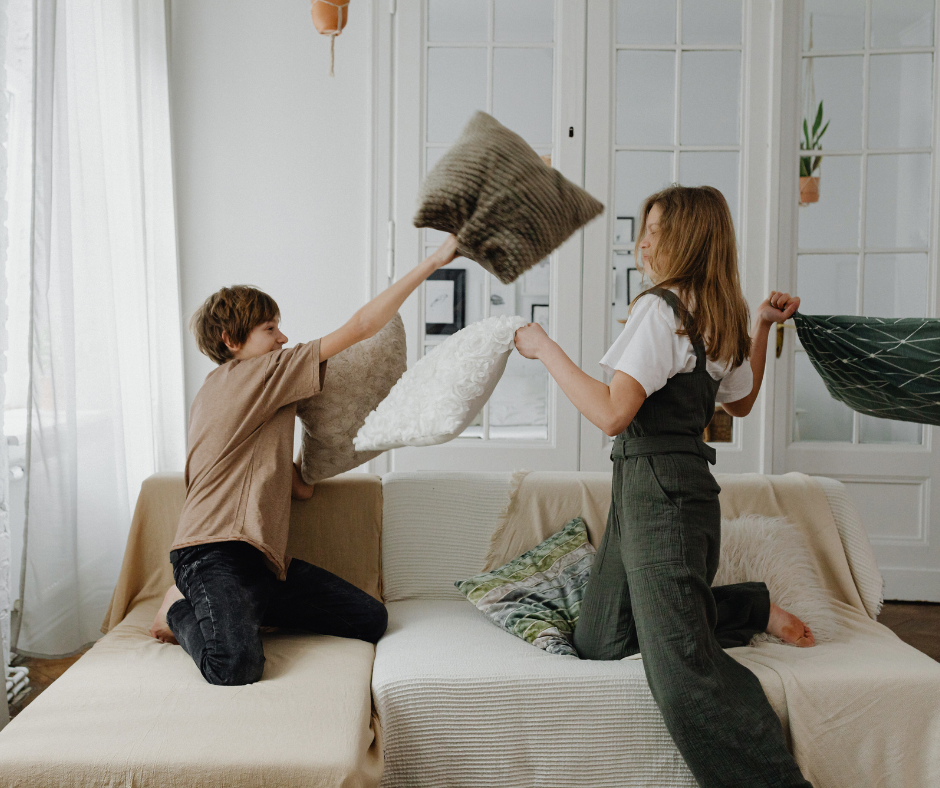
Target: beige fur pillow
{"points": [[772, 550], [357, 380], [507, 207]]}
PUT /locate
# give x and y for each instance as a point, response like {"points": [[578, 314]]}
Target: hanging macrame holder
{"points": [[342, 16]]}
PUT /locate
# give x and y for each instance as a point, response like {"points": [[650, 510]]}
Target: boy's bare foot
{"points": [[789, 628], [160, 630], [298, 489]]}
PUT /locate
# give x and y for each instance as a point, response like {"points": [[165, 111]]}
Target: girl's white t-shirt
{"points": [[649, 350]]}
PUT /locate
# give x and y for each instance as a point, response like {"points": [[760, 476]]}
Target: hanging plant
{"points": [[809, 182], [329, 18]]}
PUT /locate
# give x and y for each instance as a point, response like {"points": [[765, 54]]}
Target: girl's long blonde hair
{"points": [[696, 256]]}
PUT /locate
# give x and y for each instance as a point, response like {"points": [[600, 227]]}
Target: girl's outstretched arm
{"points": [[778, 308], [369, 320], [611, 408]]}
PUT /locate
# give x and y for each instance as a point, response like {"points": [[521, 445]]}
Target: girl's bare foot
{"points": [[298, 489], [789, 628], [160, 630]]}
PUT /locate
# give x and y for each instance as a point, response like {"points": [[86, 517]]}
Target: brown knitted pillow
{"points": [[506, 206], [357, 380]]}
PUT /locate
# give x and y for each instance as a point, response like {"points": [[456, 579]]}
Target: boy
{"points": [[229, 562]]}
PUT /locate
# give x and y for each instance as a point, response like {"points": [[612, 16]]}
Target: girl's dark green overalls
{"points": [[650, 591]]}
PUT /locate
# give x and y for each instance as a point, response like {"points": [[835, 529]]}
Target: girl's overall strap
{"points": [[681, 315]]}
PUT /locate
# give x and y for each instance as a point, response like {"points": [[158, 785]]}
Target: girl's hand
{"points": [[530, 339], [446, 252], [778, 307]]}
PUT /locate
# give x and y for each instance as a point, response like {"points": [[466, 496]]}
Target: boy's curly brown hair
{"points": [[236, 310]]}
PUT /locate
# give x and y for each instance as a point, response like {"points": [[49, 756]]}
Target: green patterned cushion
{"points": [[507, 207], [537, 596]]}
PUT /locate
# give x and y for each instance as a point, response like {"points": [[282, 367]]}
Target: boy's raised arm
{"points": [[373, 316]]}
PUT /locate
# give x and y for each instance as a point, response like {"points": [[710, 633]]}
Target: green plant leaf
{"points": [[804, 166], [816, 162], [819, 136], [819, 117], [806, 133]]}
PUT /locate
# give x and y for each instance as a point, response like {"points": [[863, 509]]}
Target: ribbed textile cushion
{"points": [[537, 596], [463, 704], [507, 207], [357, 380], [436, 529]]}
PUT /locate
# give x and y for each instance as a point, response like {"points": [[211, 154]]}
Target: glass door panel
{"points": [[678, 119], [863, 246], [711, 98], [505, 65]]}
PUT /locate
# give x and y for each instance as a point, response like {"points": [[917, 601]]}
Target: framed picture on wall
{"points": [[624, 231], [445, 301], [636, 284], [540, 315]]}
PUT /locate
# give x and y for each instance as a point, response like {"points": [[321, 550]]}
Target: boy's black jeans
{"points": [[230, 594]]}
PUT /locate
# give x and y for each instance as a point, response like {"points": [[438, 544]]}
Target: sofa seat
{"points": [[135, 712], [464, 703]]}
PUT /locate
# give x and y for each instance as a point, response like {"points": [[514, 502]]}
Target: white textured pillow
{"points": [[771, 550], [439, 396]]}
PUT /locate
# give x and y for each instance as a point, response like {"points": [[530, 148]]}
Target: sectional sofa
{"points": [[445, 699]]}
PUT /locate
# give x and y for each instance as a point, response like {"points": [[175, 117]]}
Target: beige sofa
{"points": [[135, 712], [446, 698]]}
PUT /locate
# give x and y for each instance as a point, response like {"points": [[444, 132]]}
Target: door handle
{"points": [[780, 328]]}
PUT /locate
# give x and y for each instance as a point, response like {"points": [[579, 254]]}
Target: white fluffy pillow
{"points": [[771, 550], [439, 396]]}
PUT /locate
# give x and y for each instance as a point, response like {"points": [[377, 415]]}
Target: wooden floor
{"points": [[916, 623]]}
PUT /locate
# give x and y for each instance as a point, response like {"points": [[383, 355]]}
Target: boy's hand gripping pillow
{"points": [[439, 396], [507, 207], [357, 380]]}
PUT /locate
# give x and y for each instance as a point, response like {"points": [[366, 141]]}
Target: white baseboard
{"points": [[912, 585]]}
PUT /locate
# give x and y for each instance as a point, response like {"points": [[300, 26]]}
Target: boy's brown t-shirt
{"points": [[241, 438]]}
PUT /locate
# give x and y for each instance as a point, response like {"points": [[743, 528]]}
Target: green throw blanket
{"points": [[884, 367]]}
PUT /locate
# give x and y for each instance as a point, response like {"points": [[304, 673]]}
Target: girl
{"points": [[683, 349]]}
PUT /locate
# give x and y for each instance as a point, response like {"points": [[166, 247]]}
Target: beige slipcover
{"points": [[134, 711], [860, 711]]}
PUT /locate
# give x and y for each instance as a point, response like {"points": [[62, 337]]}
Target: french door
{"points": [[679, 93], [867, 246], [523, 62], [627, 96]]}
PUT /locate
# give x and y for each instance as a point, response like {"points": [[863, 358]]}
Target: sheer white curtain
{"points": [[106, 398]]}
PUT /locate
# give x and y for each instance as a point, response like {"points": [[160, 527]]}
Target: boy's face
{"points": [[263, 338]]}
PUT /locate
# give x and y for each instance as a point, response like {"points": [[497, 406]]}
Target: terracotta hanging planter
{"points": [[809, 189], [329, 18]]}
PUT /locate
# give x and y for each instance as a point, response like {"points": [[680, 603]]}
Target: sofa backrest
{"points": [[339, 528], [436, 529]]}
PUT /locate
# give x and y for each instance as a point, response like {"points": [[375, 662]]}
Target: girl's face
{"points": [[650, 240]]}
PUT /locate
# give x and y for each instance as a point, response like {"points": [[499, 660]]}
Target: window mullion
{"points": [[676, 139]]}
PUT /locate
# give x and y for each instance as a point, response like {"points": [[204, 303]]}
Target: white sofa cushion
{"points": [[436, 530], [463, 703]]}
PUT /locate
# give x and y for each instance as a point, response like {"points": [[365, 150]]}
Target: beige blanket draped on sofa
{"points": [[861, 710]]}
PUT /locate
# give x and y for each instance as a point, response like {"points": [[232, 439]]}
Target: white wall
{"points": [[272, 160]]}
